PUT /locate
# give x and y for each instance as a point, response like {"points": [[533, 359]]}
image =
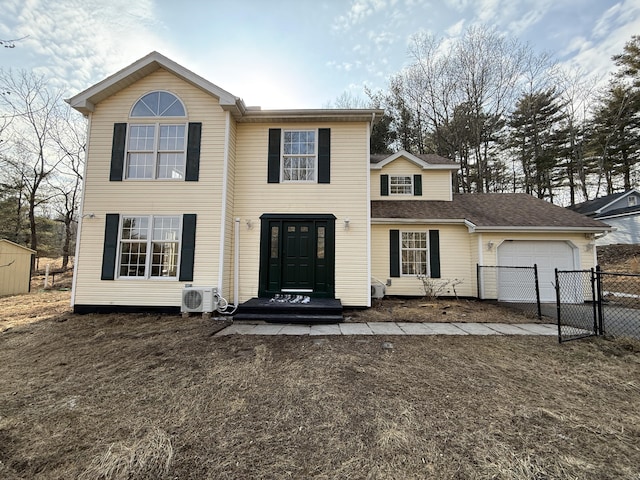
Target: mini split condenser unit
{"points": [[199, 299], [378, 289]]}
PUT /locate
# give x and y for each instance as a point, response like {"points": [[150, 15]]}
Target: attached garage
{"points": [[546, 254]]}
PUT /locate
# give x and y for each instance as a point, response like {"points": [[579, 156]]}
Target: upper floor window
{"points": [[632, 201], [158, 104], [156, 150], [299, 156], [401, 185]]}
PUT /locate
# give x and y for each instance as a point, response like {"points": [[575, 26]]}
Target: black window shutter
{"points": [[110, 249], [273, 159], [434, 253], [384, 185], [188, 247], [193, 152], [117, 151], [324, 155], [417, 185], [394, 253]]}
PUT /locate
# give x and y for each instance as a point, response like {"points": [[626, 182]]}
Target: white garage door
{"points": [[513, 285]]}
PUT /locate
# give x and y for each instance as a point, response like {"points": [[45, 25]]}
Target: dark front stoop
{"points": [[318, 310]]}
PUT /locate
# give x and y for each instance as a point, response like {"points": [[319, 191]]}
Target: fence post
{"points": [[593, 301], [558, 305], [478, 280], [599, 296], [535, 275]]}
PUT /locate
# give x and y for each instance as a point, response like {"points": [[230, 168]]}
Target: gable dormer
{"points": [[405, 176]]}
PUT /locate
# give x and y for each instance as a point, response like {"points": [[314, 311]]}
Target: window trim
{"points": [[427, 251], [149, 253], [156, 151], [410, 184], [314, 155]]}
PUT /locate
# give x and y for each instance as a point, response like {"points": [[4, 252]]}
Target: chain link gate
{"points": [[576, 304]]}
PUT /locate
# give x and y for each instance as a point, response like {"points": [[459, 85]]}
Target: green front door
{"points": [[297, 255]]}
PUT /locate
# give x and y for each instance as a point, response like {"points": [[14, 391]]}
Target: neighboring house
{"points": [[15, 268], [185, 184], [620, 210]]}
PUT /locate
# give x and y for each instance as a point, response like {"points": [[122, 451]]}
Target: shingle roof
{"points": [[488, 210], [592, 206], [427, 157]]}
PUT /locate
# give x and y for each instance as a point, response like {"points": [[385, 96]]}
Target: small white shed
{"points": [[15, 268]]}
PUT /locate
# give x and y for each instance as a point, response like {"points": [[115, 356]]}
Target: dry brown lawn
{"points": [[162, 397]]}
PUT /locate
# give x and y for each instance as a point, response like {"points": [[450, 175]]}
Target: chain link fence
{"points": [[619, 306], [512, 285], [593, 302]]}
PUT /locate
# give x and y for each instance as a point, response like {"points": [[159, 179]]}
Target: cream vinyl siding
{"points": [[227, 286], [436, 184], [150, 197], [455, 259], [344, 197]]}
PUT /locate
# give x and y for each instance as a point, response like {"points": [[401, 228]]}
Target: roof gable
{"points": [[424, 161], [600, 205], [85, 101]]}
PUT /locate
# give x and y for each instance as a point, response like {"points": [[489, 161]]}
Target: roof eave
{"points": [[310, 115], [415, 160], [540, 229], [449, 221]]}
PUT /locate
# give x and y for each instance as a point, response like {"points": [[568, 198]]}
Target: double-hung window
{"points": [[156, 150], [149, 246], [413, 250], [401, 185], [299, 156]]}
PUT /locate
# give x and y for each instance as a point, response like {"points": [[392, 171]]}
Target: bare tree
{"points": [[70, 136], [31, 149], [454, 96]]}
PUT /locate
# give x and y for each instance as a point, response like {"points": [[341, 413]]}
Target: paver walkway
{"points": [[391, 328]]}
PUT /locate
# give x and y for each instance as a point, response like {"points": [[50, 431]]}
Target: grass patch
{"points": [[161, 397]]}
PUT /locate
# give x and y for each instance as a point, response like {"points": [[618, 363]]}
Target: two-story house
{"points": [[186, 185]]}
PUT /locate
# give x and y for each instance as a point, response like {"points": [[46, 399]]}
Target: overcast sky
{"points": [[292, 53]]}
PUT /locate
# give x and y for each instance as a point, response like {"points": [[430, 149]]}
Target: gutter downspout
{"points": [[480, 262], [223, 212], [236, 261], [369, 127]]}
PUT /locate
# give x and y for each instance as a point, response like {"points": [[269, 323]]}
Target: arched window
{"points": [[156, 149], [158, 104]]}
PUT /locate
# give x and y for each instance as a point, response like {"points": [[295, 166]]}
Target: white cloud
{"points": [[359, 11], [614, 28], [77, 41], [455, 29]]}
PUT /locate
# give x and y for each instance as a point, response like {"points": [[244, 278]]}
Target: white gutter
{"points": [[76, 258], [223, 213], [410, 221], [539, 229]]}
